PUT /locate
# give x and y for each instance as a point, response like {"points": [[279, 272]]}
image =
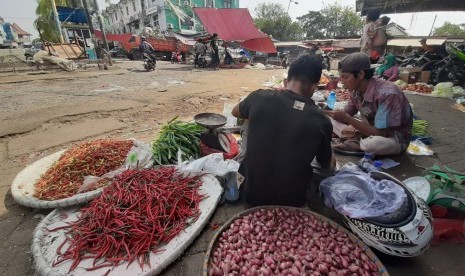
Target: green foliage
{"points": [[332, 21], [449, 29], [45, 22], [273, 20]]}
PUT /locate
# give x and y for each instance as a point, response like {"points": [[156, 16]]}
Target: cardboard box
{"points": [[425, 76], [410, 69], [413, 74]]}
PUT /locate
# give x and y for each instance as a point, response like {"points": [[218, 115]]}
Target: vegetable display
{"points": [[420, 88], [141, 211], [420, 128], [95, 158], [173, 136], [282, 241]]}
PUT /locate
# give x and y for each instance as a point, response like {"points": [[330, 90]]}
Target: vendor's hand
{"points": [[340, 116]]}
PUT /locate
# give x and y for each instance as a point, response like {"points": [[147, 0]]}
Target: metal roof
{"points": [[414, 42], [288, 43], [406, 6]]}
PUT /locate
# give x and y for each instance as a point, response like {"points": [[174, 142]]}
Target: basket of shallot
{"points": [[276, 240]]}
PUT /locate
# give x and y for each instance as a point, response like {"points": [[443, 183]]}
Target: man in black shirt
{"points": [[287, 131], [215, 51]]}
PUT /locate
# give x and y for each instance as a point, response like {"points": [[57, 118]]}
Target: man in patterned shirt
{"points": [[386, 117]]}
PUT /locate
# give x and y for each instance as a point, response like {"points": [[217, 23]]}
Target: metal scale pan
{"points": [[215, 140]]}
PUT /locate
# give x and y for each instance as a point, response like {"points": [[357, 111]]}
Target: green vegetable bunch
{"points": [[173, 136], [420, 128]]}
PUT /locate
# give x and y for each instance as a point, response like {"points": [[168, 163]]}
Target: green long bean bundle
{"points": [[173, 136]]}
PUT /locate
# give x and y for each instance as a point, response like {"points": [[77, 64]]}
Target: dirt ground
{"points": [[44, 113]]}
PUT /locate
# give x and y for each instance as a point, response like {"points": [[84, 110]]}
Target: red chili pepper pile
{"points": [[95, 158], [139, 212]]}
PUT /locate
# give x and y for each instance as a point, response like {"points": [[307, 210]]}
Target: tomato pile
{"points": [[420, 88]]}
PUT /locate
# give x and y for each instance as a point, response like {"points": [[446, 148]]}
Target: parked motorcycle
{"points": [[450, 68], [417, 59], [202, 61], [454, 67], [176, 57], [149, 62]]}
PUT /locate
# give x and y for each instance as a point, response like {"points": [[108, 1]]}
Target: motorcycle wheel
{"points": [[137, 55], [452, 72]]}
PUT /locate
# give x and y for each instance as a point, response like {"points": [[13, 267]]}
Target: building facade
{"points": [[131, 16]]}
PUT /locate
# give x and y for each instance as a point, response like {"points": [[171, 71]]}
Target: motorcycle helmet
{"points": [[405, 233]]}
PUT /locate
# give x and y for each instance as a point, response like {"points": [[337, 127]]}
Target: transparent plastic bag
{"points": [[213, 163], [355, 194], [417, 147], [139, 157]]}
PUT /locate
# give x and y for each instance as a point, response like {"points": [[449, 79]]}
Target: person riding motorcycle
{"points": [[200, 49], [146, 48]]}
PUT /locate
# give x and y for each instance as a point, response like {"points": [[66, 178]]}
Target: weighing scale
{"points": [[213, 137]]}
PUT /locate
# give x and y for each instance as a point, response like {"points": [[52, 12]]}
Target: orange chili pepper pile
{"points": [[95, 158], [140, 211]]}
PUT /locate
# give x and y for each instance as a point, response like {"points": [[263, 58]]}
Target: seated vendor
{"points": [[286, 132], [386, 116], [389, 70]]}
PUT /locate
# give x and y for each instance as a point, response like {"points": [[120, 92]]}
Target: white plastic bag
{"points": [[417, 147], [213, 164], [355, 194]]}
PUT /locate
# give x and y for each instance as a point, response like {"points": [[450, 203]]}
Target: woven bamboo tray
{"points": [[382, 270]]}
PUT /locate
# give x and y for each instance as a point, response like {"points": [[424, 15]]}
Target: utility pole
{"points": [[104, 35], [434, 22], [291, 1], [89, 19], [57, 20]]}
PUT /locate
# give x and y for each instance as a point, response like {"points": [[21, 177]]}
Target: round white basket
{"points": [[45, 243], [23, 186]]}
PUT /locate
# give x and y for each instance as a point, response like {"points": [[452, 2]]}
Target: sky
{"points": [[22, 12]]}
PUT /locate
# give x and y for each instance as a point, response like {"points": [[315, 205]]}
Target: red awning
{"points": [[235, 25], [123, 38]]}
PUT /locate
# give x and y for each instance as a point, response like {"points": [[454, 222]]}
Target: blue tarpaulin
{"points": [[8, 31], [72, 15]]}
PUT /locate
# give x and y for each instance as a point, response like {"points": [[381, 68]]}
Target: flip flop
{"points": [[349, 147]]}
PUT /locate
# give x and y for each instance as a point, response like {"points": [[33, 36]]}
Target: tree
{"points": [[312, 24], [273, 20], [45, 22], [449, 29], [332, 21]]}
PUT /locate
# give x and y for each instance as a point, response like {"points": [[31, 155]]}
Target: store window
{"points": [[209, 3], [155, 20], [188, 22], [227, 4]]}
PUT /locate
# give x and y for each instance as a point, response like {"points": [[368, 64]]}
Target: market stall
{"points": [[151, 202]]}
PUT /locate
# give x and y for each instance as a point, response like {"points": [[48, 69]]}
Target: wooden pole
{"points": [[57, 20], [104, 35]]}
